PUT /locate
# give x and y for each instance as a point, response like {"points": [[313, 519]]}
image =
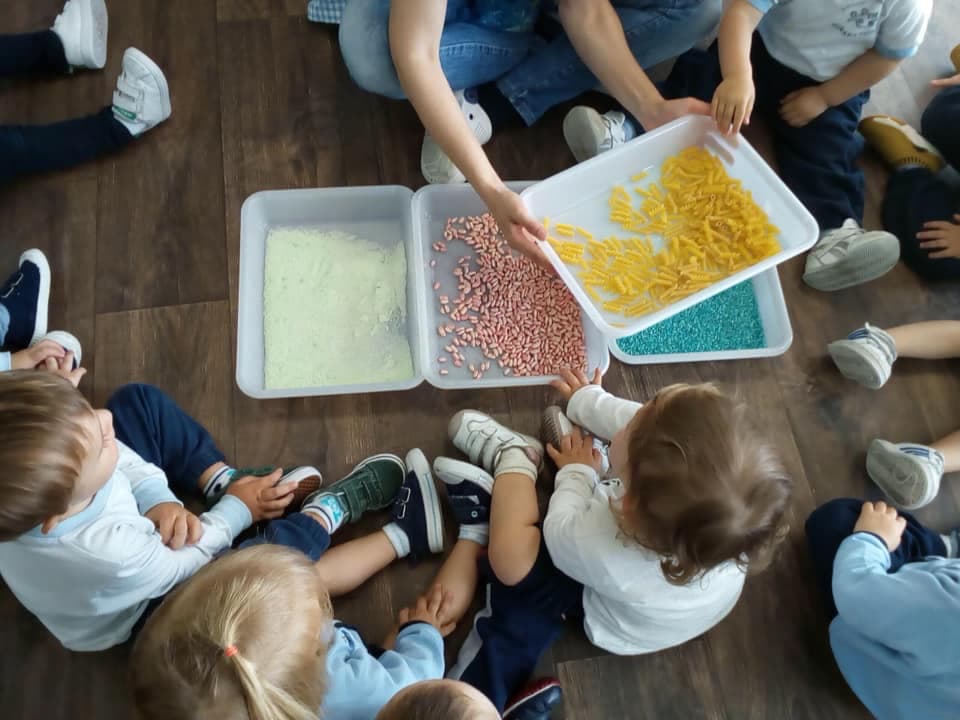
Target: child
{"points": [[433, 699], [90, 532], [919, 203], [78, 39], [892, 591], [908, 473]]}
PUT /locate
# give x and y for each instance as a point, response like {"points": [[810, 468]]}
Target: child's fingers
{"points": [[404, 616], [447, 628], [597, 377], [581, 377], [194, 529], [179, 534], [51, 364], [938, 225], [945, 253], [936, 244], [277, 505], [553, 452], [434, 600], [562, 387]]}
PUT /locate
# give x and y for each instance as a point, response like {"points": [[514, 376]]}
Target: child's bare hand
{"points": [[576, 449], [572, 380], [64, 368], [947, 81], [36, 356], [733, 102], [433, 609], [177, 525], [883, 521], [801, 107], [941, 238], [265, 499]]}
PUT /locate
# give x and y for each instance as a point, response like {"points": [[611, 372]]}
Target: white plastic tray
{"points": [[378, 214], [579, 196], [773, 316], [432, 206]]}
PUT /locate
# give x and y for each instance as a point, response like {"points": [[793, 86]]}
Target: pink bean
{"points": [[436, 285], [444, 371]]}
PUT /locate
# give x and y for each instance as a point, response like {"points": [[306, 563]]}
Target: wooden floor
{"points": [[144, 248]]}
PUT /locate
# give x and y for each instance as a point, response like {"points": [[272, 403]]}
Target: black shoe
{"points": [[417, 511], [25, 295]]}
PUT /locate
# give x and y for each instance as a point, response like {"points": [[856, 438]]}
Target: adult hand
{"points": [[669, 110], [883, 521], [733, 102], [64, 368], [801, 107], [177, 525], [572, 380], [518, 226], [265, 499], [947, 81], [431, 608], [576, 449], [941, 238], [36, 356]]}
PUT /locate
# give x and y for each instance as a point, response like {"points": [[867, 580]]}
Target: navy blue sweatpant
{"points": [[153, 425], [818, 161], [833, 522], [916, 195], [28, 149], [517, 625]]}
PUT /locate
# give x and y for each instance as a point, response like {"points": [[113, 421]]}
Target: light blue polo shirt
{"points": [[819, 38]]}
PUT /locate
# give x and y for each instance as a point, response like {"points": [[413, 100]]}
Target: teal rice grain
{"points": [[728, 321]]}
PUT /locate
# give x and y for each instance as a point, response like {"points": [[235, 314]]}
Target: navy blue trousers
{"points": [[916, 195], [818, 162], [156, 428], [26, 149], [517, 625], [833, 522]]}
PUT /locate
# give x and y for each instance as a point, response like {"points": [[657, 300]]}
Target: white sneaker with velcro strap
{"points": [[142, 98], [82, 28], [849, 255]]}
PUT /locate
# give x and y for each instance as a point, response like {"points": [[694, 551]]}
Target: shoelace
{"points": [[614, 135], [13, 286]]}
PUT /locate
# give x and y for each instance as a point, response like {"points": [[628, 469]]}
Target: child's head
{"points": [[245, 638], [56, 450], [436, 699], [702, 485]]}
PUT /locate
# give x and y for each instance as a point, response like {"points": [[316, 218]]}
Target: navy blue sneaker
{"points": [[535, 702], [25, 295], [469, 492], [416, 511]]}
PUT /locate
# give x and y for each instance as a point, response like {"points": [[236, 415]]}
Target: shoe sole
{"points": [[859, 266], [856, 366], [417, 463], [43, 294], [308, 480], [453, 472], [885, 464], [454, 425], [553, 429], [65, 340], [94, 23], [157, 73], [581, 136], [895, 125], [535, 694]]}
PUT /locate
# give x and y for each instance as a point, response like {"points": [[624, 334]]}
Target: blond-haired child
{"points": [[91, 534]]}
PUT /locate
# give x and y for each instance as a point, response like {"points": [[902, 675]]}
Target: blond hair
{"points": [[42, 448], [703, 486], [235, 642]]}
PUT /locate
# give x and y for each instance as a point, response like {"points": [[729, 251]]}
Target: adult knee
{"points": [[365, 46], [940, 119]]}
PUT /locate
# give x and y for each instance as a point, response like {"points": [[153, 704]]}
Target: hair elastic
{"points": [[230, 651]]}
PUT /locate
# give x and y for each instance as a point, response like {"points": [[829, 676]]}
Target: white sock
{"points": [[330, 509], [217, 484], [478, 533], [515, 460], [951, 545], [398, 538]]}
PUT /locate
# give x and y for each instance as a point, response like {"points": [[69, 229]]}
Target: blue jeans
{"points": [[533, 74], [917, 195], [833, 522], [158, 430]]}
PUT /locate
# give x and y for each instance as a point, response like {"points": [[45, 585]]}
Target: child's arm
{"points": [[734, 97], [603, 414], [416, 27], [596, 32], [147, 481]]}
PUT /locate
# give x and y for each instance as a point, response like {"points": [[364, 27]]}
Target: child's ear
{"points": [[50, 523]]}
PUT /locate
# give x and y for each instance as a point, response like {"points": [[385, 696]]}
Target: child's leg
{"points": [[32, 52], [939, 124], [346, 567], [933, 340], [831, 523], [949, 447]]}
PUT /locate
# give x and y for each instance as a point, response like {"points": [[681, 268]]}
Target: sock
{"points": [[329, 507], [879, 336], [217, 484], [501, 111], [478, 533], [951, 543], [398, 538], [515, 460], [631, 128]]}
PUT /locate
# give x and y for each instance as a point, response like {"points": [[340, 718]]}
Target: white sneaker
{"points": [[866, 356], [850, 255], [909, 474], [437, 168], [82, 28], [142, 98], [65, 340], [482, 439], [588, 133]]}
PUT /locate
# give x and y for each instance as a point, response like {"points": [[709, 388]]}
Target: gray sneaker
{"points": [[588, 133], [866, 356], [909, 474], [849, 255]]}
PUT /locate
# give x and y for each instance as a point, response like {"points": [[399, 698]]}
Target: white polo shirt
{"points": [[819, 38]]}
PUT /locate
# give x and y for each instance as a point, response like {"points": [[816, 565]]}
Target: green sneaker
{"points": [[371, 485]]}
